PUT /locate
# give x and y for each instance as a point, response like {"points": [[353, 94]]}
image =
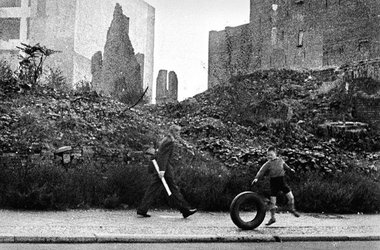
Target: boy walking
{"points": [[275, 167]]}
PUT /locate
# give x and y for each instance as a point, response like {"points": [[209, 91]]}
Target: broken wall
{"points": [[363, 82], [367, 109], [362, 69], [78, 28], [232, 51], [92, 25], [166, 87], [121, 76], [309, 34]]}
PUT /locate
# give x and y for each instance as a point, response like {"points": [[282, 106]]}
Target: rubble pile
{"points": [[47, 119], [224, 121], [221, 123]]}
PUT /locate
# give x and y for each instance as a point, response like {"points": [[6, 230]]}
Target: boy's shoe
{"points": [[271, 221], [145, 215], [294, 212], [189, 212]]}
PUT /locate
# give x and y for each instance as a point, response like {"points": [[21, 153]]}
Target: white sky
{"points": [[181, 37]]}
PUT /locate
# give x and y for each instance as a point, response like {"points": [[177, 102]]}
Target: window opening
{"points": [[10, 3], [300, 38], [9, 28]]}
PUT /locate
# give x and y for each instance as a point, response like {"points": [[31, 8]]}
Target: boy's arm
{"points": [[261, 172], [286, 166]]}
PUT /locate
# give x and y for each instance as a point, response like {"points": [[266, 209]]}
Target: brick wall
{"points": [[363, 81], [367, 109], [231, 52], [363, 69], [67, 159]]}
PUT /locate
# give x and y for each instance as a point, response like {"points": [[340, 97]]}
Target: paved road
{"points": [[362, 245], [169, 226]]}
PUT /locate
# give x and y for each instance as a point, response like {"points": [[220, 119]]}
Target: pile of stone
{"points": [[226, 123], [236, 122], [48, 119]]}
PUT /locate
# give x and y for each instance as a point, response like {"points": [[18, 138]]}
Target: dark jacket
{"points": [[164, 155]]}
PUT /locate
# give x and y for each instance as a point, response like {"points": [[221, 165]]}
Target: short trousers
{"points": [[278, 184]]}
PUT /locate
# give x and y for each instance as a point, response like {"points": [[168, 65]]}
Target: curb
{"points": [[294, 238], [183, 238]]}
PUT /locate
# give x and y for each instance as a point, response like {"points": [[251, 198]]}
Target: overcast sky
{"points": [[181, 37]]}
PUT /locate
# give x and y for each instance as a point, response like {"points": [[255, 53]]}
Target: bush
{"points": [[49, 185], [8, 82], [83, 86], [31, 64], [348, 192], [29, 186], [126, 184], [6, 72], [55, 79], [205, 184], [210, 186]]}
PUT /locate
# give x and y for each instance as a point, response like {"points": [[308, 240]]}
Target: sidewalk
{"points": [[91, 226]]}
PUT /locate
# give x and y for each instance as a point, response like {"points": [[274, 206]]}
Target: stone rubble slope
{"points": [[232, 124], [47, 119], [236, 122]]}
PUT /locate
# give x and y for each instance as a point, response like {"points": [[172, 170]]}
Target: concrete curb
{"points": [[100, 238], [293, 238], [182, 238]]}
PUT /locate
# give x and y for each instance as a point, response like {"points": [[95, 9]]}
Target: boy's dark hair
{"points": [[271, 148]]}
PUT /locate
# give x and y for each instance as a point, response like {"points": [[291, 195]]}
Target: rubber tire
{"points": [[235, 206]]}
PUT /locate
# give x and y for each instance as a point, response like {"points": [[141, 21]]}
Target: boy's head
{"points": [[271, 153]]}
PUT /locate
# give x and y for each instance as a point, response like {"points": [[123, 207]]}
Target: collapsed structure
{"points": [[166, 87], [78, 28], [118, 74], [296, 34]]}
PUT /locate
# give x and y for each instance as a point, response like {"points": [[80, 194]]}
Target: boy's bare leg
{"points": [[292, 209], [272, 209]]}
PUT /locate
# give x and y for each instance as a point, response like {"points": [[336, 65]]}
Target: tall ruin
{"points": [[166, 87], [294, 34], [118, 73], [78, 28], [96, 70]]}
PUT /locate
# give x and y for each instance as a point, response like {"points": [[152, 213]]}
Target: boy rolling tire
{"points": [[247, 210]]}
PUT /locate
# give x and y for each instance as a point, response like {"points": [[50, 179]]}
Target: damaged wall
{"points": [[363, 82], [78, 28], [117, 72], [367, 109], [310, 34], [120, 70], [93, 23], [166, 87], [362, 69]]}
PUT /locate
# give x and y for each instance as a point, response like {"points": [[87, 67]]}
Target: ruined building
{"points": [[117, 73], [166, 87], [78, 28], [296, 34]]}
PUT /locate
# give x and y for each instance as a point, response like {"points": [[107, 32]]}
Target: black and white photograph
{"points": [[190, 124]]}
